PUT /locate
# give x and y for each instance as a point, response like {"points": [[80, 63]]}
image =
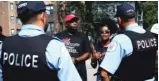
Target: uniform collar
{"points": [[32, 27], [131, 27], [30, 30]]}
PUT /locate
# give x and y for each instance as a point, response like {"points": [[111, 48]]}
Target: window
{"points": [[12, 32], [139, 12], [18, 21], [11, 5], [140, 23], [139, 18], [18, 30], [12, 19], [49, 9], [114, 8], [50, 27]]}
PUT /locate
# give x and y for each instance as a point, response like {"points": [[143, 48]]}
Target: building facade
{"points": [[11, 25], [8, 18]]}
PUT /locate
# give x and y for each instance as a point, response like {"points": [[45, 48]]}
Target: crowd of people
{"points": [[125, 54]]}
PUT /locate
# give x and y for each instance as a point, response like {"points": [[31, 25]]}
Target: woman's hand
{"points": [[96, 56]]}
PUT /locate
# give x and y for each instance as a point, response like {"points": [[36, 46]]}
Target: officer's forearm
{"points": [[84, 57]]}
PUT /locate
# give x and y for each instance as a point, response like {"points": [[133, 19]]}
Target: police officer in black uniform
{"points": [[131, 54], [2, 37], [32, 55]]}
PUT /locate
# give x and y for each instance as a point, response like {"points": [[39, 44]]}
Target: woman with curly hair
{"points": [[107, 28]]}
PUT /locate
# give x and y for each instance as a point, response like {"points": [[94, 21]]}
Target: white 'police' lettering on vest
{"points": [[147, 43], [12, 60]]}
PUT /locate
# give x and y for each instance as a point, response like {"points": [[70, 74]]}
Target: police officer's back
{"points": [[131, 54], [2, 37], [32, 55]]}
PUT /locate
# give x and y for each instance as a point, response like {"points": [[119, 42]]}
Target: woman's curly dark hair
{"points": [[111, 24]]}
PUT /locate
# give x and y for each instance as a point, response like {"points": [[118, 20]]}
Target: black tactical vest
{"points": [[23, 59], [140, 65]]}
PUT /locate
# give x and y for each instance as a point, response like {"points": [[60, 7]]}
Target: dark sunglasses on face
{"points": [[73, 20], [105, 31]]}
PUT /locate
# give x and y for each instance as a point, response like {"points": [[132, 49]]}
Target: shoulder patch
{"points": [[112, 47]]}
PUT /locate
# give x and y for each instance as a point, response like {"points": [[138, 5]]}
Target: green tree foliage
{"points": [[83, 9], [150, 10], [90, 11]]}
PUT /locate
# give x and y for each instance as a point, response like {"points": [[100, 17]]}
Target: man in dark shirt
{"points": [[77, 44]]}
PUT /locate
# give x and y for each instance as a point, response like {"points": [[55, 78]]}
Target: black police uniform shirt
{"points": [[132, 55], [31, 55], [2, 37], [77, 44], [22, 56]]}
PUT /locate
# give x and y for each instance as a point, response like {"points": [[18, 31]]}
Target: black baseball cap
{"points": [[30, 6], [125, 10]]}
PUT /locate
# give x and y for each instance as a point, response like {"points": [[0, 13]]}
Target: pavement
{"points": [[90, 71]]}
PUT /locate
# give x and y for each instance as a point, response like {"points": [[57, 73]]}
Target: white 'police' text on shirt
{"points": [[147, 43], [27, 60]]}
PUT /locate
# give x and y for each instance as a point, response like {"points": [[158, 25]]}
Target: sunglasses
{"points": [[105, 31], [74, 20]]}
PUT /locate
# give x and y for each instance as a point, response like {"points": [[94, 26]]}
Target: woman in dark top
{"points": [[107, 27]]}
